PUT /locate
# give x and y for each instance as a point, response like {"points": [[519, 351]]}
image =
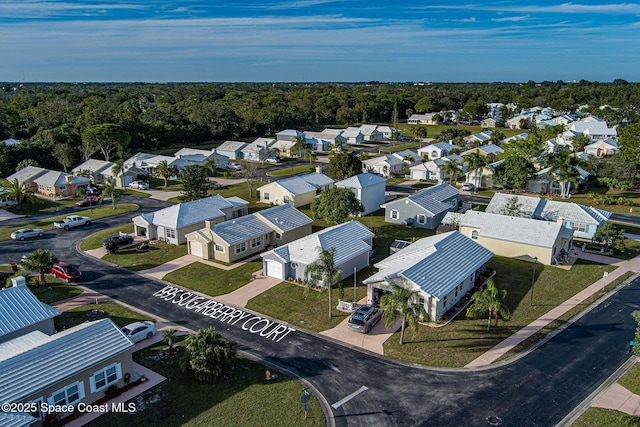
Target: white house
{"points": [[437, 150], [422, 119], [383, 165], [353, 135], [368, 188], [603, 147], [231, 149], [409, 157], [432, 170], [259, 150], [101, 170], [441, 269]]}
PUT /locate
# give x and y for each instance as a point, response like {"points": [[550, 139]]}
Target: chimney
{"points": [[560, 220], [207, 224]]}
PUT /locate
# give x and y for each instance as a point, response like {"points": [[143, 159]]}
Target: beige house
{"points": [[239, 238], [172, 224], [522, 238], [54, 184], [296, 191]]}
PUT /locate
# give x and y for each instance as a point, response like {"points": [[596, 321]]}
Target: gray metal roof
{"points": [[189, 213], [431, 199], [231, 146], [56, 178], [317, 179], [549, 210], [16, 419], [295, 185], [19, 308], [27, 173], [362, 180], [94, 165], [58, 357], [435, 264], [240, 229], [513, 229], [284, 217]]}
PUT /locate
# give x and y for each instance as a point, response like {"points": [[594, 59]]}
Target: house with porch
{"points": [[437, 150], [54, 184], [297, 191], [527, 239], [259, 150], [584, 220], [424, 209], [368, 188], [101, 170], [441, 269], [239, 238], [173, 223], [384, 165], [351, 241]]}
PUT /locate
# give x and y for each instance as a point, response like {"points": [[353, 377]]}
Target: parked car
{"points": [[72, 221], [122, 240], [467, 186], [25, 233], [66, 272], [89, 201], [272, 160], [364, 318], [139, 185], [234, 166], [137, 331]]}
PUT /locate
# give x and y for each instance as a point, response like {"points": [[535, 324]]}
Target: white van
{"points": [[6, 201]]}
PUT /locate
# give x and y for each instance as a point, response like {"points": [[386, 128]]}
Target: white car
{"points": [[138, 331], [467, 186], [25, 233], [233, 166], [139, 185], [272, 160]]}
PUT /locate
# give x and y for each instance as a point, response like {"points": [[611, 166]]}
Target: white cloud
{"points": [[511, 19]]}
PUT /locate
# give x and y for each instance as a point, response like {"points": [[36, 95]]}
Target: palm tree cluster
{"points": [[489, 300]]}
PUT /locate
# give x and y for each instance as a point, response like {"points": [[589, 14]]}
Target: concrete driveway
{"points": [[373, 341]]}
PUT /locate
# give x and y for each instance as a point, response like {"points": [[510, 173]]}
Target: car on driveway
{"points": [[25, 233], [138, 331], [122, 240], [66, 272], [89, 201], [234, 166], [364, 318], [139, 185], [467, 186]]}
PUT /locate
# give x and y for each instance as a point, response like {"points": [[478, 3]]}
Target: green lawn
{"points": [[599, 417], [395, 147], [95, 240], [158, 253], [244, 399], [54, 291], [463, 340], [38, 205], [292, 170], [631, 380], [213, 281], [120, 315], [158, 184], [47, 223]]}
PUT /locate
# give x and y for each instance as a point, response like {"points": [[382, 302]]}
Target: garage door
{"points": [[274, 269], [195, 249]]}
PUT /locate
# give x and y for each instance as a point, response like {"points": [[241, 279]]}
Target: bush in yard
{"points": [[208, 355], [112, 246]]}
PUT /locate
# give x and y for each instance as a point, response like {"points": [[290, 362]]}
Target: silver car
{"points": [[137, 331], [364, 319], [25, 233]]}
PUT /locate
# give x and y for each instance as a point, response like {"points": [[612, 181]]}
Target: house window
{"points": [[170, 233], [580, 227], [241, 247], [444, 302], [68, 395], [394, 214], [37, 414], [219, 248], [104, 377], [48, 188], [256, 242], [285, 199], [63, 187], [265, 196], [421, 301], [474, 234], [41, 186], [278, 236], [422, 219]]}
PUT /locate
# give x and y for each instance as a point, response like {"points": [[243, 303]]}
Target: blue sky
{"points": [[317, 40]]}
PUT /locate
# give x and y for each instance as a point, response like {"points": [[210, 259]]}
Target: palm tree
{"points": [[208, 355], [451, 168], [401, 302], [40, 260], [163, 170], [19, 191], [297, 147], [212, 164], [476, 161], [564, 166], [116, 169], [109, 190], [325, 268], [489, 300]]}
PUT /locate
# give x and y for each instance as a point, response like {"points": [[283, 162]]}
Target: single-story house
{"points": [[54, 184], [259, 150], [368, 188], [297, 191], [584, 220], [353, 135], [21, 312], [437, 150], [72, 366], [603, 147], [100, 170], [239, 238], [323, 141], [441, 269], [231, 149], [200, 157], [545, 181], [484, 176], [351, 241], [424, 209], [388, 132], [285, 148], [422, 119], [478, 138], [28, 176], [489, 122], [517, 237], [371, 133], [593, 128], [432, 170], [409, 157], [173, 223], [148, 162], [490, 151], [383, 165], [519, 122]]}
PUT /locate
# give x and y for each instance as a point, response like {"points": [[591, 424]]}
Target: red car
{"points": [[66, 272], [90, 201]]}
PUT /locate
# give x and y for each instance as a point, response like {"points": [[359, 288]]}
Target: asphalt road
{"points": [[538, 389]]}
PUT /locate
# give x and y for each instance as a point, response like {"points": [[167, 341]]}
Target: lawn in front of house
{"points": [[211, 280], [158, 253], [54, 291], [158, 184], [46, 224], [292, 170], [95, 240], [600, 417], [462, 340], [246, 398], [395, 147], [120, 315]]}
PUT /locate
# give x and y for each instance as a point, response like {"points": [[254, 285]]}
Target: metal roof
{"points": [[435, 264], [58, 357], [26, 173], [56, 178], [294, 185], [317, 179], [19, 308], [16, 419], [231, 146], [362, 180], [189, 213], [240, 229], [94, 165], [431, 199], [284, 217]]}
